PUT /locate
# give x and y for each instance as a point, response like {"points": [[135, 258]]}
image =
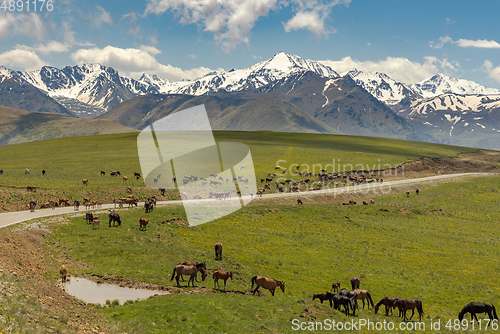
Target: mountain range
{"points": [[284, 93]]}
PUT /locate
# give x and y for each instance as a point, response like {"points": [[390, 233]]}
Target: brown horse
{"points": [[478, 307], [362, 295], [218, 251], [267, 283], [324, 296], [64, 273], [410, 304], [192, 271], [388, 302], [223, 275], [192, 263], [355, 282], [335, 287]]}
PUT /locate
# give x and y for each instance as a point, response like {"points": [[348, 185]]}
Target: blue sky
{"points": [[184, 39]]}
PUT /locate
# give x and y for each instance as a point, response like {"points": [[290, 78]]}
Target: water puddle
{"points": [[91, 292]]}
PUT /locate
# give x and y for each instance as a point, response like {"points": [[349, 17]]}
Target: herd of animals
{"points": [[338, 299]]}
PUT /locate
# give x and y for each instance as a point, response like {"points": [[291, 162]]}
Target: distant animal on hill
{"points": [[103, 172], [26, 171], [85, 181], [192, 271], [355, 281], [43, 171], [335, 287], [299, 201], [95, 222], [32, 206], [267, 283], [137, 176], [143, 223], [1, 171], [388, 302], [64, 273], [362, 295], [114, 217], [478, 307], [221, 275], [76, 205], [218, 251], [407, 194], [417, 191], [324, 296]]}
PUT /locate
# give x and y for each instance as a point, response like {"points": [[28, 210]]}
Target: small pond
{"points": [[91, 292]]}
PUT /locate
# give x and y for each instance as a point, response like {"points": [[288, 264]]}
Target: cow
{"points": [[143, 222], [85, 181]]}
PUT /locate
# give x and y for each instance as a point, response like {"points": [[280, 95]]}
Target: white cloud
{"points": [[101, 18], [465, 43], [400, 69], [192, 56], [52, 46], [132, 19], [493, 72], [150, 49], [21, 57], [29, 25], [134, 62], [480, 43], [231, 21]]}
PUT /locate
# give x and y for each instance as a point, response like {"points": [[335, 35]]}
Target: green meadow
{"points": [[441, 247]]}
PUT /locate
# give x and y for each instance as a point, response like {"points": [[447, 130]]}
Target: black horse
{"points": [[32, 206], [114, 217], [478, 307], [340, 300], [218, 251], [76, 205]]}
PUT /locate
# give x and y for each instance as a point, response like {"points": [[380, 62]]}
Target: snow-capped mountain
{"points": [[442, 84], [92, 84], [280, 66], [381, 86]]}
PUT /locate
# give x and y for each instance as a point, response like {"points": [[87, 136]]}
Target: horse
{"points": [[340, 300], [221, 274], [388, 302], [349, 294], [218, 251], [64, 273], [335, 287], [324, 296], [32, 206], [192, 271], [410, 304], [143, 223], [362, 295], [114, 217], [192, 263], [355, 281], [478, 307], [76, 205], [267, 283]]}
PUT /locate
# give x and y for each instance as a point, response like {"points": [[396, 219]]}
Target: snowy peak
{"points": [[442, 84], [381, 86], [460, 104], [288, 64]]}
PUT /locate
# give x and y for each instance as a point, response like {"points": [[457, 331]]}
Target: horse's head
{"points": [[281, 285], [231, 275], [460, 316], [376, 309]]}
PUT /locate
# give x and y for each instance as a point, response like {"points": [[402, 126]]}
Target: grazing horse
{"points": [[221, 274], [324, 296], [103, 172], [355, 281], [76, 205], [114, 217], [64, 273], [95, 222], [362, 295], [335, 287], [85, 181], [267, 283], [410, 304], [1, 171], [143, 223], [26, 171], [340, 300], [388, 302], [32, 206], [478, 307], [218, 251], [299, 201], [192, 271]]}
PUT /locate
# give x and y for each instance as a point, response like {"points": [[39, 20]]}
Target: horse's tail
{"points": [[420, 308], [253, 281], [494, 312], [369, 298], [173, 275]]}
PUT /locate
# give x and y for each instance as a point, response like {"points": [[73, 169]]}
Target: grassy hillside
{"points": [[17, 126], [441, 247], [68, 160]]}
